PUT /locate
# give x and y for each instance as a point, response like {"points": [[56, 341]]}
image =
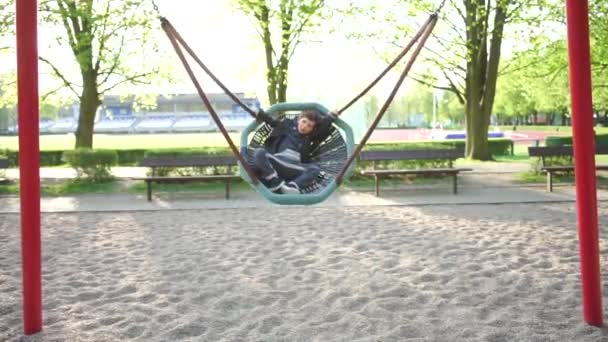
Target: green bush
{"points": [[206, 151], [536, 128], [130, 157], [558, 141], [600, 139], [497, 147], [47, 158], [91, 164]]}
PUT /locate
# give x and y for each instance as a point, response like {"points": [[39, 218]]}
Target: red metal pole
{"points": [[584, 154], [29, 163]]}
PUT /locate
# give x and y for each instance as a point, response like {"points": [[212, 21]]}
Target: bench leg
{"points": [[227, 189], [455, 184], [149, 184], [549, 181], [377, 185]]}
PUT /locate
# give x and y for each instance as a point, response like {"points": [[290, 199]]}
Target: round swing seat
{"points": [[331, 155]]}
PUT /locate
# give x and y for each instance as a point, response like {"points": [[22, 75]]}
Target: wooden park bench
{"points": [[560, 151], [445, 154], [156, 162]]}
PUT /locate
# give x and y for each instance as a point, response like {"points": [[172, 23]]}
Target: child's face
{"points": [[305, 126]]}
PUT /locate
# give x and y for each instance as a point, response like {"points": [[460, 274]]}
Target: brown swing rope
{"points": [[184, 44], [172, 34], [428, 28], [176, 40], [405, 50]]}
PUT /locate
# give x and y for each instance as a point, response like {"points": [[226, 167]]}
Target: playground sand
{"points": [[442, 273]]}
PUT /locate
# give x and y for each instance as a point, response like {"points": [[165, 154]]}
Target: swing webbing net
{"points": [[331, 155]]}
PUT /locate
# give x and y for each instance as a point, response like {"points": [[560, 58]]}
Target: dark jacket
{"points": [[282, 128]]}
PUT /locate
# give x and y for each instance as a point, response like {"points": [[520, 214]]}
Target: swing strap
{"points": [[426, 32], [176, 39], [184, 44], [405, 50]]}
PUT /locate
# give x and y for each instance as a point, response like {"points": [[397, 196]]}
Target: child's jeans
{"points": [[287, 165]]}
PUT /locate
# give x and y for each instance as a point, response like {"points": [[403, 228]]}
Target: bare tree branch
{"points": [[60, 75], [47, 94], [131, 79], [103, 38], [115, 64]]}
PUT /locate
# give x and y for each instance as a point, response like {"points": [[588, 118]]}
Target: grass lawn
{"points": [[70, 187], [215, 186], [532, 177], [75, 187]]}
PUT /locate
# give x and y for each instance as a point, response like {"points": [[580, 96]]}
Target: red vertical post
{"points": [[29, 163], [584, 154]]}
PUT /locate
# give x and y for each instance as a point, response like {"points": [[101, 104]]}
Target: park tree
{"points": [[371, 106], [599, 26], [7, 23], [110, 41], [282, 25], [541, 70], [537, 82], [449, 108], [417, 100], [514, 98], [7, 76], [471, 71], [464, 52]]}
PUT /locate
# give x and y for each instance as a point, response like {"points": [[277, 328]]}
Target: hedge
{"points": [[134, 157], [91, 164], [497, 147], [600, 139]]}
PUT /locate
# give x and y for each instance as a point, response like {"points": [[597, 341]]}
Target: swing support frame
{"points": [[420, 37]]}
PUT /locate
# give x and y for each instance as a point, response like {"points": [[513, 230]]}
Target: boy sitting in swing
{"points": [[285, 163]]}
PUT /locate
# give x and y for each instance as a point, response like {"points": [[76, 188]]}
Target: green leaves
{"points": [[540, 68], [7, 22], [282, 26], [112, 44]]}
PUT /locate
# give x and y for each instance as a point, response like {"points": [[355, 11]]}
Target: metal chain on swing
{"points": [[156, 9], [440, 7]]}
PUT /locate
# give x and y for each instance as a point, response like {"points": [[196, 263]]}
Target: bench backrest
{"points": [[450, 154], [3, 163], [553, 151], [188, 161]]}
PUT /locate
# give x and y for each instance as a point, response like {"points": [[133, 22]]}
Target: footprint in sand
{"points": [[270, 323], [186, 331], [300, 263], [87, 296], [107, 321]]}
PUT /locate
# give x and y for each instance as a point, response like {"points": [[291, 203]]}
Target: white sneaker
{"points": [[290, 188], [274, 184]]}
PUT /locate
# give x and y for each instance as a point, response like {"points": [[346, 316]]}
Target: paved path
{"points": [[488, 183]]}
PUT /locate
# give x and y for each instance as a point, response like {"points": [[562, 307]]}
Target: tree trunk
{"points": [[282, 86], [271, 73], [89, 102], [283, 62], [481, 73], [477, 124]]}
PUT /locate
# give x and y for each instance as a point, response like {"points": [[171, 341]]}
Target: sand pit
{"points": [[440, 273]]}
